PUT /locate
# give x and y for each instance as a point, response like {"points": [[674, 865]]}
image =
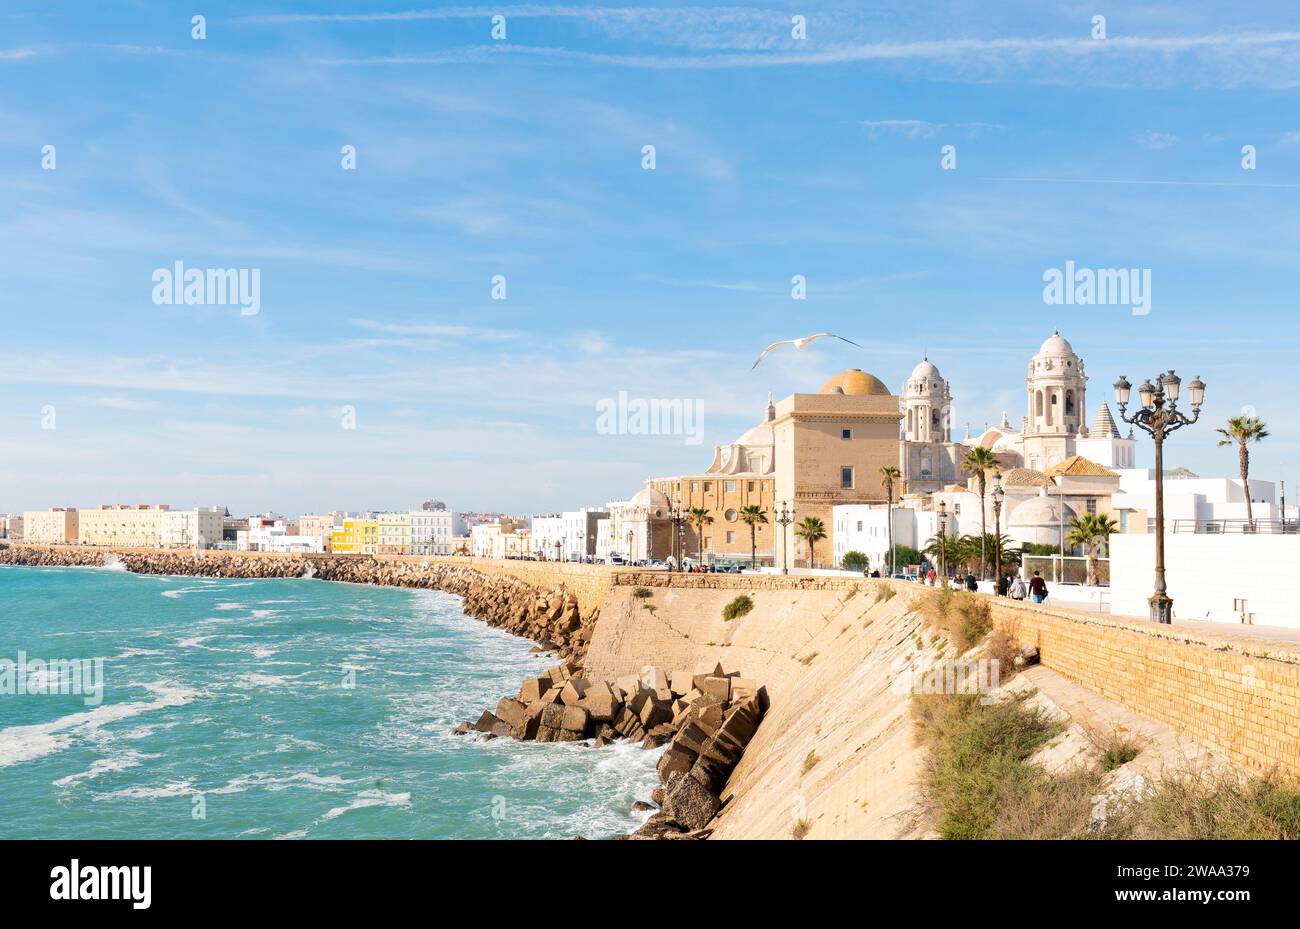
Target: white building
{"points": [[1234, 578], [605, 538], [864, 527], [276, 538], [581, 529], [1192, 504], [197, 528], [547, 534], [431, 532]]}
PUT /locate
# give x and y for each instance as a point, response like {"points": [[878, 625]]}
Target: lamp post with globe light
{"points": [[1158, 415], [998, 496], [784, 518]]}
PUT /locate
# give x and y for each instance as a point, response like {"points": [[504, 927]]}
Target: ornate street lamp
{"points": [[784, 518], [998, 495], [679, 535], [1159, 416], [943, 543]]}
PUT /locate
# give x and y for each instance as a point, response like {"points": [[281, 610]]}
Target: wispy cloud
{"points": [[1155, 140], [923, 129]]}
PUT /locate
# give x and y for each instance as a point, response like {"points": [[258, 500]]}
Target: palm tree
{"points": [[813, 530], [888, 475], [980, 460], [700, 517], [1243, 430], [1091, 530], [751, 516]]}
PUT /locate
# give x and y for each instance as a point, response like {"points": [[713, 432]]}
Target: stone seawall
{"points": [[1232, 689], [556, 608]]}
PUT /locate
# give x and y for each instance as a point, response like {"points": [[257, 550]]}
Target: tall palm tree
{"points": [[1243, 430], [751, 516], [980, 460], [700, 517], [812, 530], [889, 474], [1092, 530]]}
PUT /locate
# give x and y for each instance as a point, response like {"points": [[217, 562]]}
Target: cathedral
{"points": [[1053, 430]]}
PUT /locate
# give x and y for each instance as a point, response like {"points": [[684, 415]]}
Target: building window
{"points": [[729, 516], [846, 478], [1092, 507], [859, 525], [749, 486], [846, 433], [708, 486], [731, 487], [731, 538]]}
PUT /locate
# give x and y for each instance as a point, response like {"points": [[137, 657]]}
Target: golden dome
{"points": [[856, 383]]}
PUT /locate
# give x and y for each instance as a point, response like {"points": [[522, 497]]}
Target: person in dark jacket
{"points": [[1038, 587], [1004, 584], [971, 584]]}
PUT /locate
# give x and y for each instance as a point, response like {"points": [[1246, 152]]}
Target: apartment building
{"points": [[123, 525], [201, 527], [55, 526], [431, 532], [394, 533], [356, 537]]}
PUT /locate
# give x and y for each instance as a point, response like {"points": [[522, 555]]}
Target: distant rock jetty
{"points": [[550, 618], [708, 719]]}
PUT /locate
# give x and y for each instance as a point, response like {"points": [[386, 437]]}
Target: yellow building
{"points": [[356, 537], [394, 533], [57, 526], [123, 526], [810, 452], [830, 447]]}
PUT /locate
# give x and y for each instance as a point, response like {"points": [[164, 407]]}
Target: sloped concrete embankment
{"points": [[836, 755]]}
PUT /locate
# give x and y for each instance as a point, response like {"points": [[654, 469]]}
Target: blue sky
{"points": [[522, 158]]}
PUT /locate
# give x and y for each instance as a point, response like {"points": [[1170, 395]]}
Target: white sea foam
{"points": [[181, 788], [137, 652], [25, 743], [119, 762], [301, 779], [260, 679], [366, 799]]}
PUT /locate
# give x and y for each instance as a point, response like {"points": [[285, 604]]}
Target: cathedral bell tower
{"points": [[1056, 386]]}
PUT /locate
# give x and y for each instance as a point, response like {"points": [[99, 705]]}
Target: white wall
{"points": [[1205, 572]]}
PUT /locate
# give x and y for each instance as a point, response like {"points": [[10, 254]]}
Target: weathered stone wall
{"points": [[1235, 692]]}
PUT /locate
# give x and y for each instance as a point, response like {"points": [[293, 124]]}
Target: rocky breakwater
{"points": [[551, 618], [706, 720]]}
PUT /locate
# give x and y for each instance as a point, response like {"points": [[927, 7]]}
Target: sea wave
{"points": [[26, 743]]}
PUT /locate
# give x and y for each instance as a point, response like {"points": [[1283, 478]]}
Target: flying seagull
{"points": [[802, 343]]}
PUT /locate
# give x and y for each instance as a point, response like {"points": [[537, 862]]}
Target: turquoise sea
{"points": [[227, 713]]}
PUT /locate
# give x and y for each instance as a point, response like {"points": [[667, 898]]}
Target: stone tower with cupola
{"points": [[928, 458], [1057, 404]]}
